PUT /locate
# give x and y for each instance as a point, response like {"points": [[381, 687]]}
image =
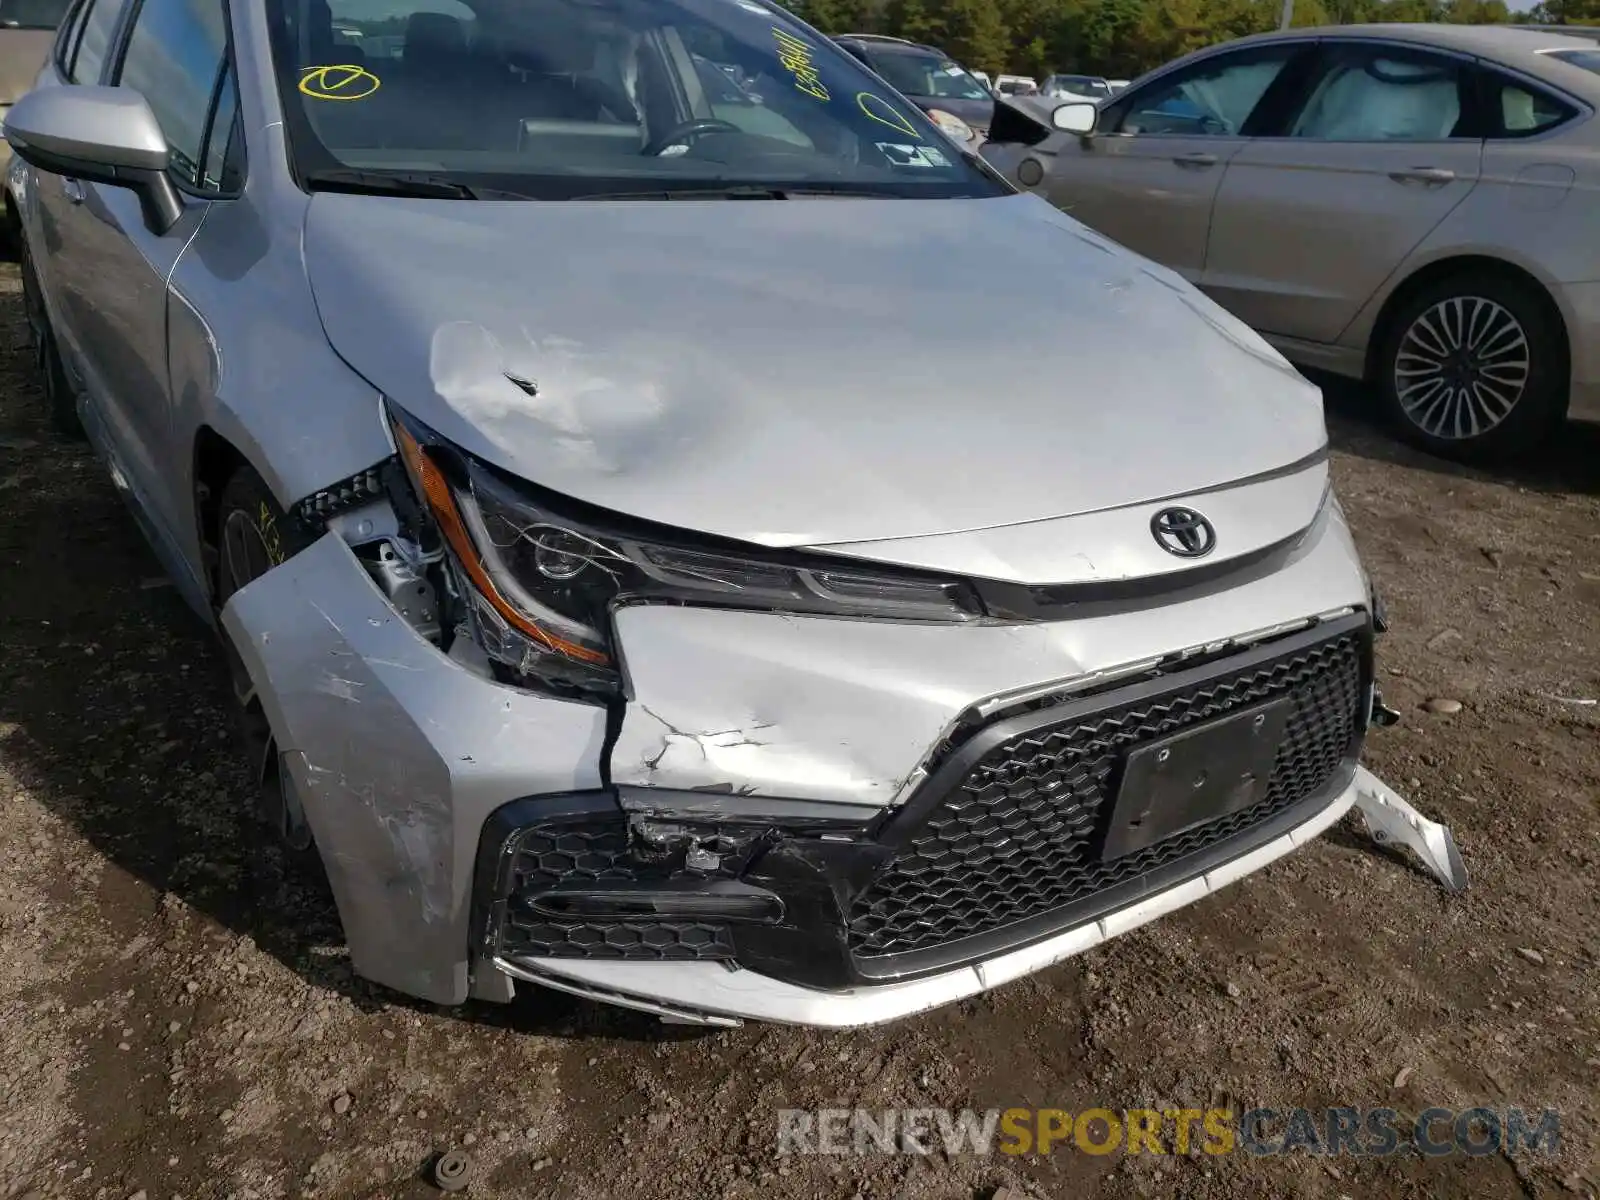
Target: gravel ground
{"points": [[178, 1018]]}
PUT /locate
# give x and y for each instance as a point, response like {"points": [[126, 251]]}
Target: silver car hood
{"points": [[805, 372]]}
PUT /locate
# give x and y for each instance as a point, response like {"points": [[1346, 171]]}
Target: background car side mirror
{"points": [[1076, 116], [105, 135]]}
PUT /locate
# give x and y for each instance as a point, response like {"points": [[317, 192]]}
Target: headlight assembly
{"points": [[541, 581], [952, 125]]}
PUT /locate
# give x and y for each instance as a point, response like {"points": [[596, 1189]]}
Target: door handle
{"points": [[1196, 160], [1423, 175], [73, 189]]}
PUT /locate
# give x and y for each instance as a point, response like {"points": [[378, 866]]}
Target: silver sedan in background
{"points": [[1415, 205]]}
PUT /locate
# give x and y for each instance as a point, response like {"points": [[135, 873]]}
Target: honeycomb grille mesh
{"points": [[567, 855], [1019, 836]]}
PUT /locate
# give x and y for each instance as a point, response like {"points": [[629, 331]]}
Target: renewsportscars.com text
{"points": [[1372, 1132]]}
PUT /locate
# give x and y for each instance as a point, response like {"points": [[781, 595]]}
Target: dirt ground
{"points": [[178, 1019]]}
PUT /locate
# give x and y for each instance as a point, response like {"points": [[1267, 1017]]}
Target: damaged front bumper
{"points": [[821, 821], [725, 993]]}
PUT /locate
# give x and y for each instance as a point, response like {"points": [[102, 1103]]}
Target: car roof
{"points": [[1524, 50], [882, 42]]}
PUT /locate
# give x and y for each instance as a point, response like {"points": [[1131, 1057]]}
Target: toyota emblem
{"points": [[1183, 532]]}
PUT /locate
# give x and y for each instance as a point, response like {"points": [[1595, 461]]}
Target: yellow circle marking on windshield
{"points": [[341, 81], [881, 111]]}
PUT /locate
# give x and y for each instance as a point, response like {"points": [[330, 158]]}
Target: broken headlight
{"points": [[541, 581]]}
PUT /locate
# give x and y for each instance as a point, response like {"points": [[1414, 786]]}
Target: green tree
{"points": [[975, 33], [1127, 37], [1567, 12]]}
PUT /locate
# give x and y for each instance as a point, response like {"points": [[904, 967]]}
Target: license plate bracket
{"points": [[1199, 775]]}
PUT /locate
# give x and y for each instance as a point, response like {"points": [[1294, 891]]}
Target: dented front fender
{"points": [[400, 755]]}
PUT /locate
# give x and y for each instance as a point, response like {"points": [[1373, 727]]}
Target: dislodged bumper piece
{"points": [[719, 994], [399, 755], [1391, 821]]}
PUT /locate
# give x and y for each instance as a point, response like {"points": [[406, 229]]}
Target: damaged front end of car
{"points": [[536, 741]]}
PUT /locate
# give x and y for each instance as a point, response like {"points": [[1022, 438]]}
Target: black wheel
{"points": [[59, 396], [1474, 368], [253, 536]]}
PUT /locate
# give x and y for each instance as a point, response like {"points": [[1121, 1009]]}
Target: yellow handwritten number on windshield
{"points": [[342, 81], [884, 113], [796, 58]]}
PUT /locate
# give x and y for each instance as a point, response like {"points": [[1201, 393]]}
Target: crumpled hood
{"points": [[804, 372]]}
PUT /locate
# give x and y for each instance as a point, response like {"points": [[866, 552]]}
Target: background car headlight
{"points": [[541, 578], [952, 125]]}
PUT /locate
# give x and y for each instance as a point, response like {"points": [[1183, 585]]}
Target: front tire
{"points": [[1474, 368], [60, 399], [252, 537]]}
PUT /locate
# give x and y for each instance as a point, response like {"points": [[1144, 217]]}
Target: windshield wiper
{"points": [[740, 192], [379, 183]]}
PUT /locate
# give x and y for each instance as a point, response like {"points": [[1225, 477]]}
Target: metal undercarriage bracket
{"points": [[1391, 821]]}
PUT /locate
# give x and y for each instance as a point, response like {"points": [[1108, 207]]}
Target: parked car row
{"points": [[1410, 204]]}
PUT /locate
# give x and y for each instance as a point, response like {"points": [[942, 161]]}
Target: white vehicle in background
{"points": [[1016, 85], [1077, 87], [1118, 84]]}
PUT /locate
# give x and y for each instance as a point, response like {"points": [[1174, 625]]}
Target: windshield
{"points": [[926, 75], [568, 99], [1589, 60], [32, 14]]}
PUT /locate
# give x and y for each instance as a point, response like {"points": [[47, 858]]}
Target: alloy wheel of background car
{"points": [[1462, 367], [58, 394], [1474, 368], [253, 536]]}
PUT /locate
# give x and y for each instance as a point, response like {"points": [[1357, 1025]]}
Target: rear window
{"points": [[1589, 60], [1517, 111], [32, 14]]}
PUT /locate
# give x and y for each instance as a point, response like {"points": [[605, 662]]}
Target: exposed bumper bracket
{"points": [[1391, 821]]}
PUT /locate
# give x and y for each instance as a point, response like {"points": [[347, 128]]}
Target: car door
{"points": [[1310, 222], [1148, 175], [111, 270], [79, 58]]}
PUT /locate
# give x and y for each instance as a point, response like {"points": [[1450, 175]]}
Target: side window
{"points": [[1383, 94], [175, 53], [94, 42], [224, 161], [1214, 97], [1516, 111]]}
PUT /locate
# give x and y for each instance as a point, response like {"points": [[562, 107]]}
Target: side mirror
{"points": [[105, 135], [1076, 116]]}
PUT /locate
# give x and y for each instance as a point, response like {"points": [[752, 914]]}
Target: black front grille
{"points": [[1017, 836], [572, 855]]}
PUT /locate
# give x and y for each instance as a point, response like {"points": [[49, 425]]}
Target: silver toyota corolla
{"points": [[639, 577]]}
